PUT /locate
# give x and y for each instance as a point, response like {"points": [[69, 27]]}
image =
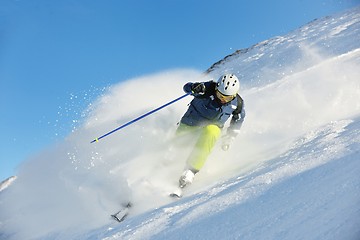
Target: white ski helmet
{"points": [[228, 84]]}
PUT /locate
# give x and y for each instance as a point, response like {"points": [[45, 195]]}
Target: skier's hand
{"points": [[226, 142], [198, 88]]}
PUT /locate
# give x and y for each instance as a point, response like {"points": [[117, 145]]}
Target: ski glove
{"points": [[226, 142], [198, 88]]}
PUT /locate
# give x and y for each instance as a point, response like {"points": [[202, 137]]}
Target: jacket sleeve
{"points": [[237, 119]]}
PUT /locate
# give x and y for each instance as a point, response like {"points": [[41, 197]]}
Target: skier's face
{"points": [[224, 98]]}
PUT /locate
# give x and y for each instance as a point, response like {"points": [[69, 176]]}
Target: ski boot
{"points": [[186, 178]]}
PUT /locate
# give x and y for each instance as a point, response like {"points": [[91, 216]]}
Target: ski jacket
{"points": [[207, 109]]}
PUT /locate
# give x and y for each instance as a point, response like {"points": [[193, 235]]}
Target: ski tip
{"points": [[119, 219], [175, 195], [122, 214], [95, 140]]}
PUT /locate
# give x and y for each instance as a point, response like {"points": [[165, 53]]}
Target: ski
{"points": [[174, 195], [177, 193], [119, 219], [122, 214]]}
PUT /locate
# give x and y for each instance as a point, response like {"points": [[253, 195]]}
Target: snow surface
{"points": [[292, 173]]}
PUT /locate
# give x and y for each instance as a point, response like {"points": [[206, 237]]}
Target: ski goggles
{"points": [[224, 98]]}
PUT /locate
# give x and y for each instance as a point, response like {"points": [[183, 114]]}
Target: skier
{"points": [[213, 104]]}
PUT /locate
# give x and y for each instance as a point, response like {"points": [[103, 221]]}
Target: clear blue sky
{"points": [[51, 51]]}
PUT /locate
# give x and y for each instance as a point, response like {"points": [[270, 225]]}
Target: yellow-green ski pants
{"points": [[208, 135]]}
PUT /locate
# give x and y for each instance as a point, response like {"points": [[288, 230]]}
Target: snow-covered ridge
{"points": [[292, 173], [283, 55], [7, 182]]}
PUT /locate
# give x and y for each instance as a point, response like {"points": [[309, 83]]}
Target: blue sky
{"points": [[57, 56]]}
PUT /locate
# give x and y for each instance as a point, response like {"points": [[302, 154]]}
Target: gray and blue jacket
{"points": [[206, 109]]}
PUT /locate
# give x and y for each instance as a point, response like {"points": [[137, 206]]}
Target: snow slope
{"points": [[292, 173]]}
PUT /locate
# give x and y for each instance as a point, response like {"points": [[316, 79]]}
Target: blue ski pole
{"points": [[141, 117]]}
